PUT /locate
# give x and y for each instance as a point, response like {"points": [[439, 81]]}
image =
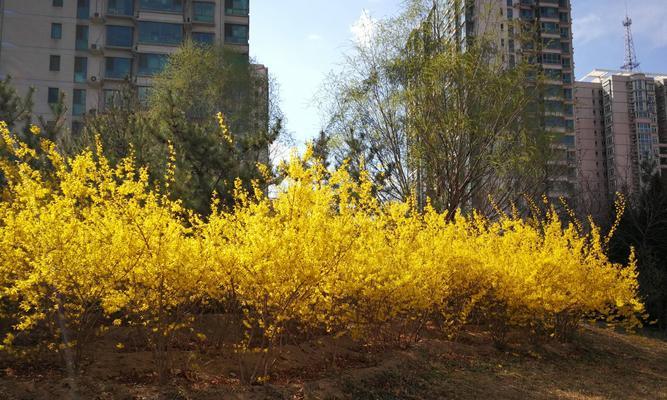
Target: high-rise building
{"points": [[540, 32], [88, 49], [621, 133]]}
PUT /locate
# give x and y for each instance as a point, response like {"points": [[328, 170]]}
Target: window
{"points": [[160, 33], [548, 12], [56, 31], [121, 7], [83, 9], [554, 122], [80, 69], [120, 36], [553, 106], [117, 67], [81, 37], [550, 27], [205, 38], [79, 102], [54, 63], [144, 92], [569, 110], [568, 94], [112, 98], [236, 34], [565, 47], [151, 64], [551, 58], [162, 5], [53, 95], [57, 3], [564, 33], [203, 12], [237, 7], [553, 74], [77, 127], [567, 140]]}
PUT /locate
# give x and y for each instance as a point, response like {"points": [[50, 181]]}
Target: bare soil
{"points": [[598, 364]]}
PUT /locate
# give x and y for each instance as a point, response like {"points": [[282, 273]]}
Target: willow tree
{"points": [[454, 125]]}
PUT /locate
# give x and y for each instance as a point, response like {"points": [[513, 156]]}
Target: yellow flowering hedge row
{"points": [[85, 245]]}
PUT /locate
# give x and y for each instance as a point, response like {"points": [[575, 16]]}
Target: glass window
{"points": [[203, 11], [118, 68], [553, 74], [160, 33], [54, 63], [79, 102], [121, 7], [554, 122], [162, 5], [82, 37], [120, 36], [56, 31], [144, 92], [568, 140], [236, 7], [53, 95], [236, 34], [77, 127], [83, 9], [553, 106], [151, 64], [80, 69], [112, 98], [203, 37], [57, 3]]}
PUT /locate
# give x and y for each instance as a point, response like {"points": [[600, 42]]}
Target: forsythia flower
{"points": [[323, 253], [224, 129]]}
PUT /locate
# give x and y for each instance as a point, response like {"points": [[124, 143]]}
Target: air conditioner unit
{"points": [[95, 48], [97, 17], [95, 80]]}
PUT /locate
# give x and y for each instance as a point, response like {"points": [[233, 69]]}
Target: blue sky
{"points": [[301, 41]]}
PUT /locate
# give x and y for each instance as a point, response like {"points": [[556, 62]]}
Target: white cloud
{"points": [[314, 37], [589, 28], [363, 28], [649, 27]]}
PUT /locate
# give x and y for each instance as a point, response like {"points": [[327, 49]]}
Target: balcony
{"points": [[237, 12]]}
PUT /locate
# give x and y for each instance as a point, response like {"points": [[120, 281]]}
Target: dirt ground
{"points": [[599, 364]]}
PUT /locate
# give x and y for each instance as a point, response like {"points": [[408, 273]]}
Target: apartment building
{"points": [[621, 130], [89, 49], [538, 31]]}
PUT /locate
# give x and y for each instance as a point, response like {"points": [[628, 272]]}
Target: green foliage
{"points": [[644, 228], [14, 109], [426, 117], [197, 83]]}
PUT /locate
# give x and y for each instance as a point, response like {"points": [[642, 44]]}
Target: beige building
{"points": [[621, 123], [549, 43], [89, 49]]}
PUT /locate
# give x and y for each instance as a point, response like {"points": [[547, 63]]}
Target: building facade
{"points": [[88, 49], [621, 133], [540, 32]]}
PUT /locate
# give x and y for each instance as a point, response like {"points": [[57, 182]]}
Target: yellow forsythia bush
{"points": [[85, 245]]}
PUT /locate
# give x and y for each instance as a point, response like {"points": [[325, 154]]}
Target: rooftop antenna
{"points": [[631, 63]]}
